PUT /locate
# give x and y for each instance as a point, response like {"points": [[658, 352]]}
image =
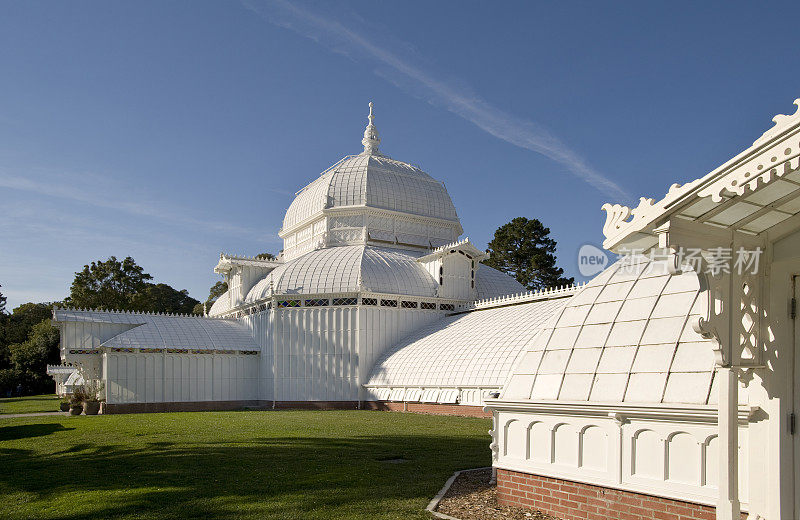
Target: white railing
{"points": [[544, 294]]}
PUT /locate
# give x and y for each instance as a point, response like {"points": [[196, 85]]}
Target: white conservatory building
{"points": [[664, 388], [371, 255]]}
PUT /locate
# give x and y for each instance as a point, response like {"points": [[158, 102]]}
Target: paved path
{"points": [[37, 414]]}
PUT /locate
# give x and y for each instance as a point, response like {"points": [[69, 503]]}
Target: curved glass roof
{"points": [[375, 181], [477, 348], [625, 337], [347, 269], [491, 283], [166, 331]]}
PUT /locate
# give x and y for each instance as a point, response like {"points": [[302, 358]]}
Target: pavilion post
{"points": [[728, 507]]}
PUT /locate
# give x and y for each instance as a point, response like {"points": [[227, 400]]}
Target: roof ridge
{"points": [[137, 313], [543, 294]]}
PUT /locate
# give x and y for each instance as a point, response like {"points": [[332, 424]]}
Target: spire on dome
{"points": [[371, 138]]}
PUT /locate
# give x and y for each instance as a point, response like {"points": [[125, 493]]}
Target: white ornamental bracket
{"points": [[730, 269]]}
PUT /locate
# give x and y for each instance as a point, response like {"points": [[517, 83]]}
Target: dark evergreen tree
{"points": [[524, 249]]}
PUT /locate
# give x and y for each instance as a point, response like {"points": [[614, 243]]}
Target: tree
{"points": [[265, 256], [124, 286], [163, 298], [15, 327], [524, 249], [30, 358], [110, 285], [217, 290]]}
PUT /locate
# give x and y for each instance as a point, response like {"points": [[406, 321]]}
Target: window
{"points": [[447, 307], [388, 303], [409, 305], [289, 303], [369, 301], [317, 302], [428, 305], [346, 301]]}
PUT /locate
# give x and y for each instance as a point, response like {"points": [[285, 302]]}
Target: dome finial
{"points": [[371, 139]]}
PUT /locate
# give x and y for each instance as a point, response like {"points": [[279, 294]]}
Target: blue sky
{"points": [[171, 131]]}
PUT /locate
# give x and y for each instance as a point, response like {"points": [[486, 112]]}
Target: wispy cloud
{"points": [[98, 192], [446, 93]]}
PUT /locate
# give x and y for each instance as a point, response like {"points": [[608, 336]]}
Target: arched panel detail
{"points": [[710, 454], [565, 445], [515, 437], [539, 442], [648, 455], [683, 458], [593, 448]]}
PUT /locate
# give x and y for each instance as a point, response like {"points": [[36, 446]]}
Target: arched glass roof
{"points": [[477, 348], [347, 269], [626, 337], [491, 283]]}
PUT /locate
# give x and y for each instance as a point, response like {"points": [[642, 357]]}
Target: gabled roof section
{"points": [[166, 330], [463, 245], [228, 262], [752, 192]]}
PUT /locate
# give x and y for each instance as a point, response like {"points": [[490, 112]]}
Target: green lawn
{"points": [[285, 464], [30, 404]]}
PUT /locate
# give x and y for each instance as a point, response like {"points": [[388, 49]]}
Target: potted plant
{"points": [[64, 405], [91, 402], [76, 400]]}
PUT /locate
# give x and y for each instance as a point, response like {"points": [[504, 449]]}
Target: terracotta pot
{"points": [[75, 409], [91, 407], [64, 407]]}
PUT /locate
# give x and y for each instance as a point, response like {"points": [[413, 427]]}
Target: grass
{"points": [[254, 464], [30, 404]]}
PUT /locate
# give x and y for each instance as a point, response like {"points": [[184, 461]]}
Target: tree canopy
{"points": [[110, 285], [217, 290], [161, 297], [524, 249], [123, 285], [29, 341]]}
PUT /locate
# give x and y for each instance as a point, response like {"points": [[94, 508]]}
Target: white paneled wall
{"points": [[262, 325], [672, 458], [315, 354], [164, 377]]}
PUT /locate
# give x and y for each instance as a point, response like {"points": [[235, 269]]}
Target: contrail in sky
{"points": [[458, 99]]}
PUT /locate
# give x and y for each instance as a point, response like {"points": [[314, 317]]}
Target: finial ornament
{"points": [[371, 138]]}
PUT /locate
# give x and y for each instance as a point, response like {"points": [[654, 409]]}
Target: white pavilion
{"points": [[664, 388]]}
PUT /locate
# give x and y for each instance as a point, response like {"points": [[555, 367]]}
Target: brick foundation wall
{"points": [[428, 408], [570, 500]]}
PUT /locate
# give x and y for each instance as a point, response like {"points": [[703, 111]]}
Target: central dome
{"points": [[374, 181], [370, 198]]}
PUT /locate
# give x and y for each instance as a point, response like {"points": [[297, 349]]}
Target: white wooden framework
{"points": [[736, 233]]}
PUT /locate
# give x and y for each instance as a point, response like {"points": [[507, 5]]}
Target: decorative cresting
{"points": [[617, 222], [782, 122], [774, 162], [371, 138], [512, 299], [772, 156]]}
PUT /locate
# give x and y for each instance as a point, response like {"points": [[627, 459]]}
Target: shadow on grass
{"points": [[10, 433], [274, 477]]}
